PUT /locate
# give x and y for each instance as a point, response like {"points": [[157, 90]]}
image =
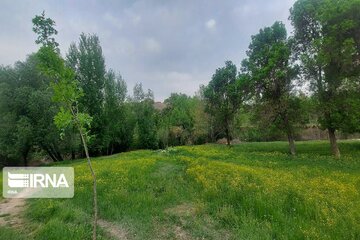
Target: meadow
{"points": [[247, 191]]}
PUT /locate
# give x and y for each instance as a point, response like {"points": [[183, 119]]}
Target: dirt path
{"points": [[11, 210]]}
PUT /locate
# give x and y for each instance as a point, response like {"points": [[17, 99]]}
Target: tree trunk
{"points": [[57, 153], [227, 136], [25, 159], [50, 153], [25, 155], [290, 135], [291, 143], [334, 147], [94, 184]]}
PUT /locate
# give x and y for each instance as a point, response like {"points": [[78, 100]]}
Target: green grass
{"points": [[248, 191], [8, 233]]}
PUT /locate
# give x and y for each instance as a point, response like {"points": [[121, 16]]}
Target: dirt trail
{"points": [[11, 210]]}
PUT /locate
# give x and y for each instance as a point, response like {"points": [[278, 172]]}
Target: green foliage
{"points": [[178, 109], [27, 114], [272, 75], [223, 97], [177, 120], [145, 135], [66, 92], [327, 43], [88, 63], [117, 118], [249, 126], [183, 121], [202, 129], [63, 120], [44, 28]]}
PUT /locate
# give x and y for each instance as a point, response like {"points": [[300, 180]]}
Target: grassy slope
{"points": [[250, 191]]}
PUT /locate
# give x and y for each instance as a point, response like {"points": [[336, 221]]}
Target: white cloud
{"points": [[136, 19], [122, 47], [176, 81], [245, 10], [162, 44], [152, 45], [210, 24], [113, 20], [13, 49]]}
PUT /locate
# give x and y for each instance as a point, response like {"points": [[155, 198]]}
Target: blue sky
{"points": [[169, 46]]}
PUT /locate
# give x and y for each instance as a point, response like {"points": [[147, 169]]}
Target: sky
{"points": [[167, 45]]}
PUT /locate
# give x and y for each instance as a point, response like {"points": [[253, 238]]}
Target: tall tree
{"points": [[223, 98], [271, 75], [26, 109], [327, 33], [145, 135], [67, 93], [201, 133], [26, 99], [45, 29], [118, 121], [14, 119], [88, 62], [178, 118]]}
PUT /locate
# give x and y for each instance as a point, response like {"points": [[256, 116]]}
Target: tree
{"points": [[45, 28], [328, 45], [13, 119], [222, 97], [24, 138], [67, 93], [40, 110], [118, 121], [26, 100], [88, 62], [201, 132], [178, 118], [271, 75], [145, 135], [41, 113]]}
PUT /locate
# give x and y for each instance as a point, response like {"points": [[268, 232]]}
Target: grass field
{"points": [[248, 191]]}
